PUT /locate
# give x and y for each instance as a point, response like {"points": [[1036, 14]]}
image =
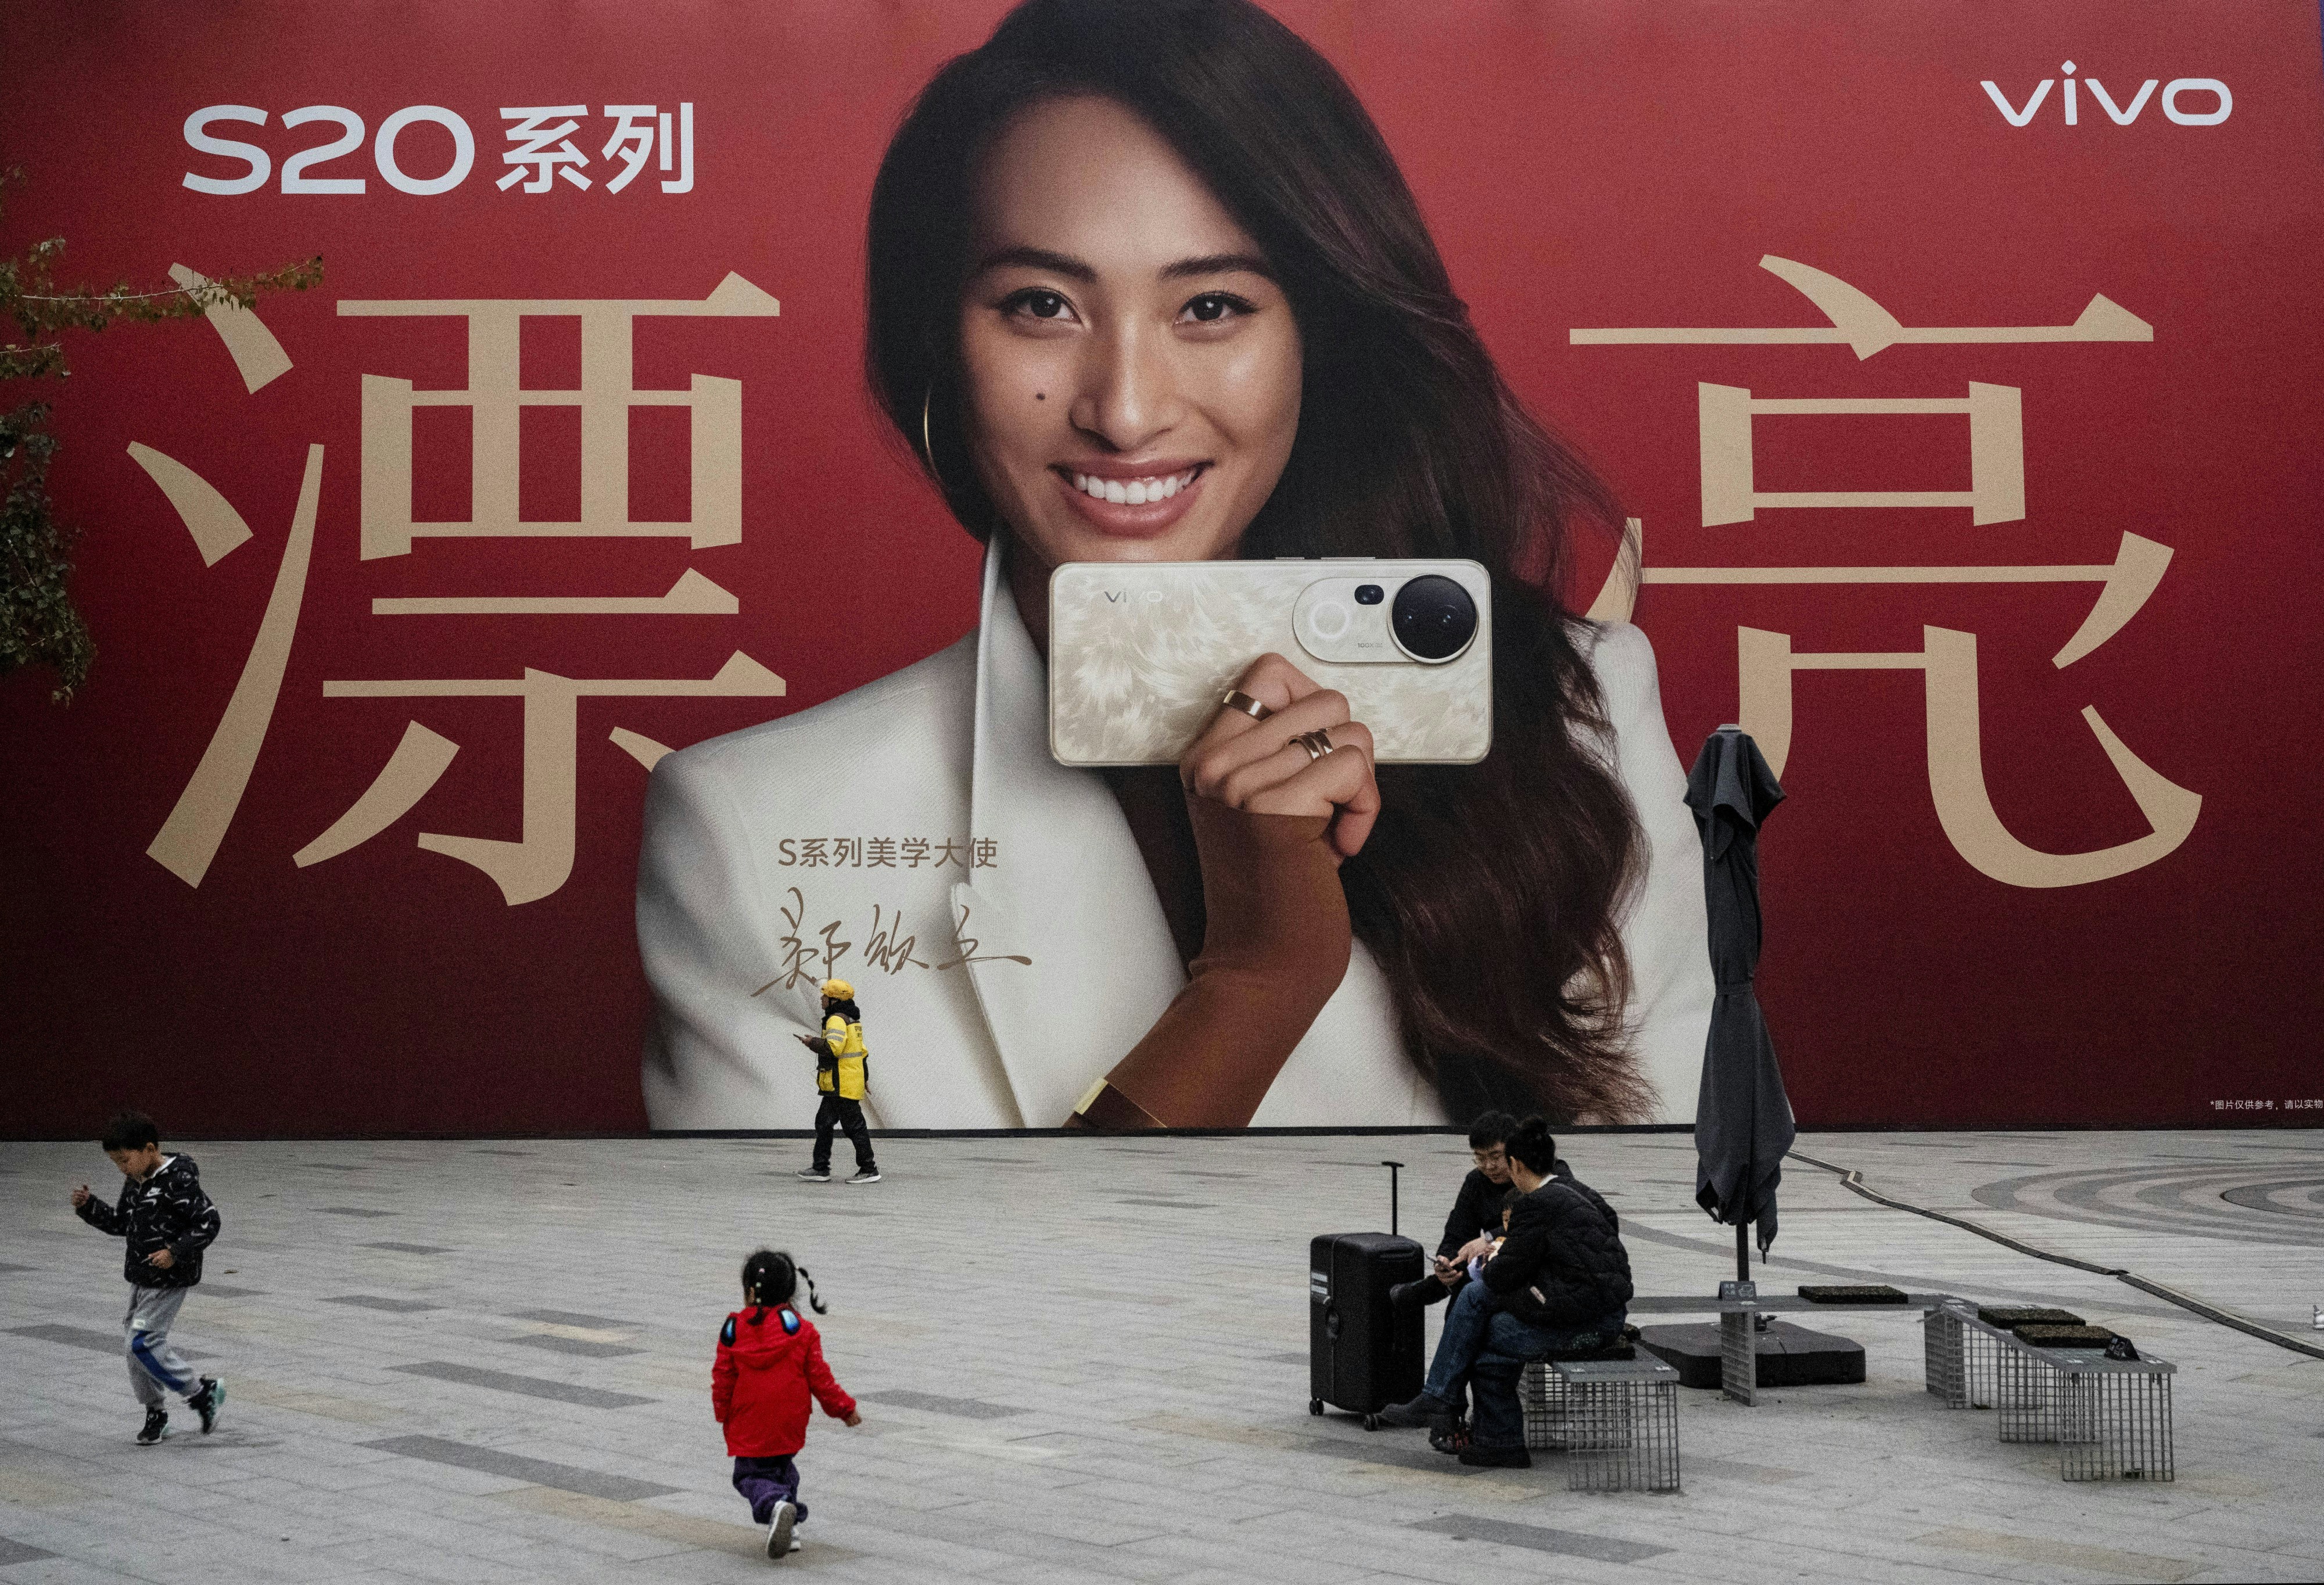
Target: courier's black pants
{"points": [[848, 1115]]}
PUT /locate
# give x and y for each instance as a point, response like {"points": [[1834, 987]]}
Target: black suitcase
{"points": [[1361, 1355]]}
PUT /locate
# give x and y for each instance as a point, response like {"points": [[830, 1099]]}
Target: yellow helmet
{"points": [[838, 990]]}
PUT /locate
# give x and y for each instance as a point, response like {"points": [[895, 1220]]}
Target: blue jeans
{"points": [[1473, 1329], [1500, 1420]]}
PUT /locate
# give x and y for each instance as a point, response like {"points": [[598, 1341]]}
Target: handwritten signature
{"points": [[889, 948]]}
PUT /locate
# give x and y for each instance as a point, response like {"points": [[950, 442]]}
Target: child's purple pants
{"points": [[764, 1482]]}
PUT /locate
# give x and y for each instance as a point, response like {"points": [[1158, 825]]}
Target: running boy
{"points": [[169, 1221], [769, 1360]]}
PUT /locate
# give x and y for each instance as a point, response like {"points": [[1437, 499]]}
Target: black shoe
{"points": [[207, 1402], [870, 1175], [1416, 1414], [1497, 1458], [1449, 1434], [157, 1426], [815, 1175]]}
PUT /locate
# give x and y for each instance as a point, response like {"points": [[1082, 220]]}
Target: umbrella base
{"points": [[1788, 1355]]}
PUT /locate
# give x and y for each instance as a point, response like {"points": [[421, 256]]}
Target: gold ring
{"points": [[1317, 744], [1236, 699]]}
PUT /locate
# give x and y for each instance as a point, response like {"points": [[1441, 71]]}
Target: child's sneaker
{"points": [[870, 1175], [157, 1426], [815, 1175], [207, 1402], [778, 1530]]}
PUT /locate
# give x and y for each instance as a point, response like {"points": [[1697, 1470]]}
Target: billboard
{"points": [[1952, 370]]}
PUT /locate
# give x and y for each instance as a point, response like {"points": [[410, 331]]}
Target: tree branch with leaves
{"points": [[39, 623]]}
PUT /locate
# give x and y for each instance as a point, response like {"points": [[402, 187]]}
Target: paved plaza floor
{"points": [[1085, 1359]]}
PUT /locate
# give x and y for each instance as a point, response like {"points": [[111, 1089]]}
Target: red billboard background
{"points": [[1585, 167]]}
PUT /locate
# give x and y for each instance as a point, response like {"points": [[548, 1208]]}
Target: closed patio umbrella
{"points": [[1742, 1120]]}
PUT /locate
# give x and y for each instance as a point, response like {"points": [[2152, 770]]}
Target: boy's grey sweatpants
{"points": [[153, 1364]]}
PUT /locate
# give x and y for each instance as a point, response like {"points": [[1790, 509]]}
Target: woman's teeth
{"points": [[1133, 491]]}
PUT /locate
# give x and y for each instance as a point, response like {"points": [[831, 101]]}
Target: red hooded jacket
{"points": [[769, 1358]]}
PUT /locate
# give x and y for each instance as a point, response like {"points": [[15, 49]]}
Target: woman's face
{"points": [[1133, 367]]}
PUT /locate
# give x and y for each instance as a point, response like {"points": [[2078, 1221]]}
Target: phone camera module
{"points": [[1433, 616], [1370, 594]]}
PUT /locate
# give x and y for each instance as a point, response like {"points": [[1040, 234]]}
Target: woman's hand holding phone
{"points": [[1272, 822], [1261, 768]]}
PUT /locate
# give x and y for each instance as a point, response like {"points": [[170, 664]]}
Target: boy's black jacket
{"points": [[1477, 1210], [168, 1212], [1564, 1267]]}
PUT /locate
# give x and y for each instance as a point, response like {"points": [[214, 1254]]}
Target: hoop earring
{"points": [[928, 447]]}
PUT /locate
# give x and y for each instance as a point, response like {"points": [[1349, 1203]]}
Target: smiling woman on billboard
{"points": [[1146, 285]]}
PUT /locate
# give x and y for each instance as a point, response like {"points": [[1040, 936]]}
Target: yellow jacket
{"points": [[842, 1071]]}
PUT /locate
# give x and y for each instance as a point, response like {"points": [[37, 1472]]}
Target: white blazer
{"points": [[737, 928]]}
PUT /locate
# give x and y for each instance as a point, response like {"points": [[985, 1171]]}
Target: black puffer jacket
{"points": [[168, 1211], [1563, 1267]]}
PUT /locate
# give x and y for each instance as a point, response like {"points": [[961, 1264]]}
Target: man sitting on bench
{"points": [[1561, 1285], [1476, 1219]]}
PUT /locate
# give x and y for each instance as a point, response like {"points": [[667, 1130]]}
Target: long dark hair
{"points": [[1488, 893]]}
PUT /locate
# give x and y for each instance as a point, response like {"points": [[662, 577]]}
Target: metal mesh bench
{"points": [[1617, 1421], [2110, 1419]]}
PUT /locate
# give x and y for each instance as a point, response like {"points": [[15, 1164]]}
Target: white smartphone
{"points": [[1141, 652]]}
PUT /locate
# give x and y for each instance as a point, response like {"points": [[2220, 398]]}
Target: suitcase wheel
{"points": [[1314, 1406], [1371, 1423]]}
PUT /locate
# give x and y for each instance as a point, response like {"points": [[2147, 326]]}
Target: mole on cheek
{"points": [[1040, 396]]}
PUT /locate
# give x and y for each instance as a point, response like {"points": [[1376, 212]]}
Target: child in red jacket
{"points": [[769, 1359]]}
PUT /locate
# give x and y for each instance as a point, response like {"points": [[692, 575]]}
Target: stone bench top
{"points": [[1688, 1304]]}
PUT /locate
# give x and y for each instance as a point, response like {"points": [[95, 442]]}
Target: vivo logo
{"points": [[2222, 103]]}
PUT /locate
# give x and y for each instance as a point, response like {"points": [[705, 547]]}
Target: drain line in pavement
{"points": [[1853, 1181]]}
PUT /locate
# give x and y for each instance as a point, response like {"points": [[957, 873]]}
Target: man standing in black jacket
{"points": [[1561, 1284], [169, 1221]]}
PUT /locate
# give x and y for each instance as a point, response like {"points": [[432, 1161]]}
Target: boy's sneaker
{"points": [[157, 1426], [207, 1402], [778, 1530], [815, 1175], [870, 1175]]}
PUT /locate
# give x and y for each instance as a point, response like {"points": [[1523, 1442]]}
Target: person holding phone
{"points": [[1144, 284], [1478, 1211]]}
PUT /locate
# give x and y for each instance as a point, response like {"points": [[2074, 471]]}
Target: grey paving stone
{"points": [[936, 1403], [410, 1248], [349, 1210], [572, 1318], [1165, 1433], [82, 1337], [563, 1392], [485, 1461], [1540, 1538], [574, 1345], [16, 1551], [218, 1290], [383, 1303]]}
